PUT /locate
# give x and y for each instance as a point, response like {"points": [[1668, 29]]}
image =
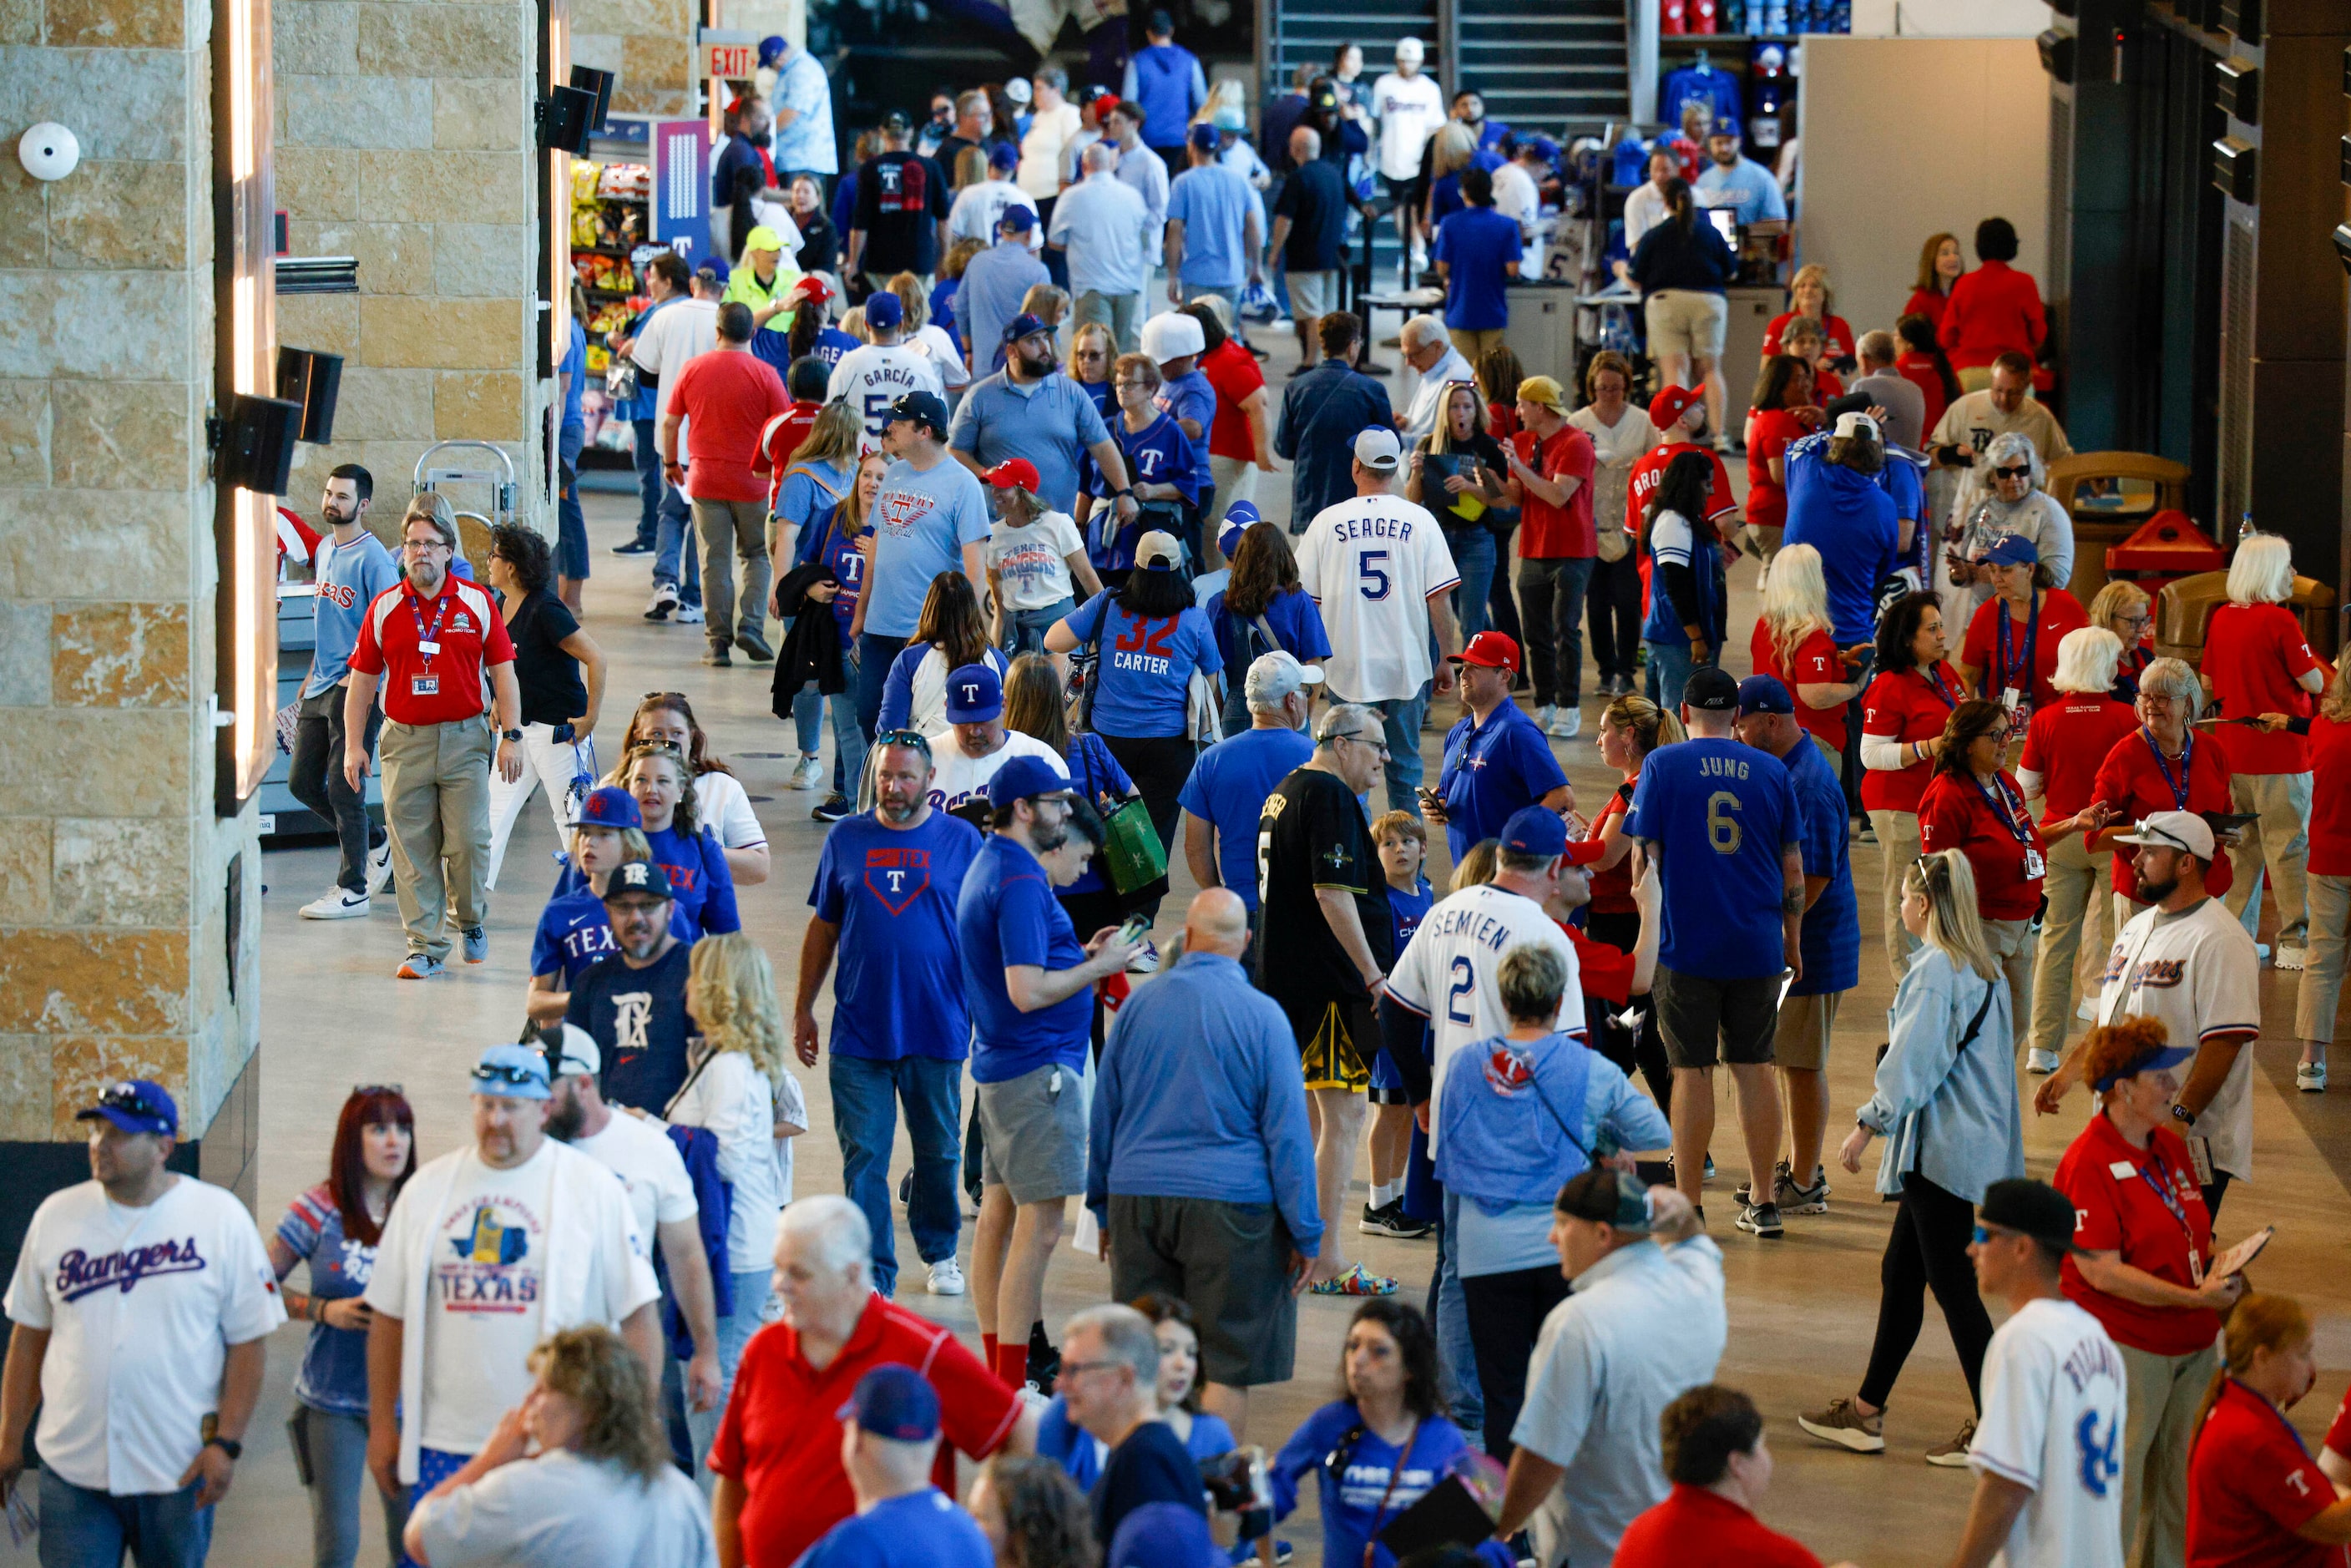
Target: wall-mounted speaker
{"points": [[565, 119], [256, 448], [2235, 168], [2237, 88], [588, 80], [313, 381], [2057, 48]]}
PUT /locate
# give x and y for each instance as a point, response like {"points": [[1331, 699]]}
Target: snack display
{"points": [[609, 230]]}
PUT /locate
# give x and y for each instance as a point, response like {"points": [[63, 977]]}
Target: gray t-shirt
{"points": [[1905, 406], [561, 1511]]}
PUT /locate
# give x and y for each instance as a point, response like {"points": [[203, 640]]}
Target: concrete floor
{"points": [[1802, 1309]]}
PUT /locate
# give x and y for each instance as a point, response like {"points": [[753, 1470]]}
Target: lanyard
{"points": [[2008, 807], [2162, 1190], [1934, 679], [2002, 668], [428, 641], [2187, 755], [1395, 1473]]}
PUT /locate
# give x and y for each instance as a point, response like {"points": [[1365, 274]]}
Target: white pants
{"points": [[545, 761]]}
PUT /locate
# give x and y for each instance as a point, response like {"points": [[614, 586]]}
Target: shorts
{"points": [[1312, 294], [1801, 1038], [1387, 1083], [1687, 322], [1327, 1048], [1034, 1132], [1697, 1015], [1229, 1262], [1406, 191]]}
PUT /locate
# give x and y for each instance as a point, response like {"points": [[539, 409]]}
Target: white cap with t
{"points": [[2173, 831], [1377, 449]]}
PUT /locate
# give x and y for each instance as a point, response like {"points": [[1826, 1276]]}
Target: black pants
{"points": [[1612, 609], [315, 777], [1642, 1048], [1506, 1313], [1850, 773], [1927, 1251], [1159, 765], [2214, 1194]]}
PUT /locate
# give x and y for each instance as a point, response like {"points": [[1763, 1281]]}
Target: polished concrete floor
{"points": [[1802, 1309]]}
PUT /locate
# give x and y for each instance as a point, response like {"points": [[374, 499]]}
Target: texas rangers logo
{"points": [[79, 1274], [2099, 1464], [902, 509], [897, 877]]}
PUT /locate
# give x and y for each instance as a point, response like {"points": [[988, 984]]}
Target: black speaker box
{"points": [[571, 116], [257, 445], [588, 80], [311, 380]]}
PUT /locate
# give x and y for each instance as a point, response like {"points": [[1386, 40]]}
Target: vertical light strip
{"points": [[241, 158]]}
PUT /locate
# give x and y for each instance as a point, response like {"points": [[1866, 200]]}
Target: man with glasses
{"points": [[141, 1303], [1110, 1378], [426, 644], [633, 1004], [1435, 364], [487, 1250]]}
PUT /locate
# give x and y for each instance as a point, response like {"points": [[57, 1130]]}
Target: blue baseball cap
{"points": [[1239, 518], [135, 1105], [1017, 219], [713, 268], [1028, 324], [1203, 136], [2013, 550], [512, 1072], [1004, 155], [1545, 147], [893, 1402], [920, 408], [975, 695], [2154, 1060], [638, 876], [1025, 779], [1764, 694], [1535, 830], [1162, 1535], [884, 309], [610, 806]]}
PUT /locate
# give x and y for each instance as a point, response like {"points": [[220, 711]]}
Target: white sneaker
{"points": [[663, 601], [805, 776], [690, 616], [1567, 726], [947, 1278], [2291, 958], [2087, 1008], [337, 903], [2038, 1061], [378, 866], [2310, 1077], [1545, 714]]}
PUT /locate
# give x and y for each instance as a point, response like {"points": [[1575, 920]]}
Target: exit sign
{"points": [[728, 55]]}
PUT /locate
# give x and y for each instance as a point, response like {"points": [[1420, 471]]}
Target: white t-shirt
{"points": [[1645, 209], [1050, 130], [1372, 564], [734, 1101], [875, 375], [482, 1312], [676, 334], [141, 1306], [2199, 972], [2054, 1397], [933, 341], [1410, 108], [649, 1165], [561, 1508], [1447, 972], [1031, 564], [978, 208], [956, 778], [721, 805], [1517, 197]]}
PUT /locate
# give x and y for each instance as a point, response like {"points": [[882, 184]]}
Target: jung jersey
{"points": [[1372, 564], [2052, 1421], [1721, 814], [875, 376]]}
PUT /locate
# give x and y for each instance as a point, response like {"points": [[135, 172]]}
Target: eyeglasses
{"points": [[1378, 743], [423, 545], [2023, 473], [1071, 1368]]}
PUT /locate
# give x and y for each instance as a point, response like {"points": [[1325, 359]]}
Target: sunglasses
{"points": [[2023, 473], [379, 1088], [515, 1076], [913, 737], [123, 1097], [1989, 1233]]}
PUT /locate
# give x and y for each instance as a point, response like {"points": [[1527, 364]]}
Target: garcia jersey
{"points": [[876, 375]]}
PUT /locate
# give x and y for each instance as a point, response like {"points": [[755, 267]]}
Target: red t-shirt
{"points": [[1919, 370], [2065, 744], [1557, 533], [1649, 472], [1929, 303], [2251, 1483], [2116, 1209], [1767, 435], [1612, 890], [727, 399], [778, 439], [2330, 801], [1693, 1528], [1232, 372], [1601, 970], [2338, 1432], [1501, 420], [444, 687], [1992, 828], [781, 1440], [1817, 662], [2134, 777], [2252, 653], [1905, 706], [2029, 663], [1840, 336], [1992, 311]]}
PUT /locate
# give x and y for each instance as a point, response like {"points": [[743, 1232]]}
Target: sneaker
{"points": [[663, 601], [379, 867], [477, 945], [1953, 1454], [2087, 1008], [1392, 1220], [755, 649], [1567, 726], [1790, 1199], [2291, 957], [690, 616], [418, 967], [337, 903], [1763, 1220], [633, 547], [1357, 1281], [1545, 714], [1145, 960], [1868, 834], [2040, 1060], [2310, 1077], [1847, 1427], [2261, 952], [835, 807], [947, 1278], [806, 774], [717, 658]]}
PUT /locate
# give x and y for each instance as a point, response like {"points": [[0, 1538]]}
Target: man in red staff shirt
{"points": [[728, 395], [1551, 481], [427, 643]]}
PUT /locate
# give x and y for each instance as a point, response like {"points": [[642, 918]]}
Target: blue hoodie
{"points": [[1848, 517]]}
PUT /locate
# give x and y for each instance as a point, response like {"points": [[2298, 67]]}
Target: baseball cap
{"points": [[513, 1071], [884, 309], [610, 806], [1858, 424], [893, 1402], [2032, 1209], [1158, 551], [1544, 148], [1764, 694], [1408, 48], [135, 1105], [975, 693], [812, 286], [1535, 830], [1378, 450], [1545, 390], [763, 238], [1025, 777], [1489, 650], [1004, 155], [1275, 675], [1203, 136], [713, 268], [1103, 105], [1162, 1535], [2173, 831], [1608, 1196], [1019, 90], [575, 1051], [2013, 549], [2153, 1060], [637, 876], [1172, 334], [1712, 691], [920, 408], [1028, 324], [1017, 219], [1668, 407], [897, 120], [1015, 474], [1239, 517]]}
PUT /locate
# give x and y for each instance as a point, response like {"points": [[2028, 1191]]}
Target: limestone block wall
{"points": [[647, 43]]}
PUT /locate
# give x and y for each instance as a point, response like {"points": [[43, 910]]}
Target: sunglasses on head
{"points": [[379, 1088], [914, 737], [516, 1076], [123, 1097]]}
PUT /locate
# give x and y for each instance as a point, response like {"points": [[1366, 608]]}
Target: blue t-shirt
{"points": [[1491, 771], [637, 1018], [921, 520], [1144, 681], [1363, 1491], [1008, 916], [898, 991], [575, 365], [334, 1365], [1407, 910], [811, 491], [1294, 618], [1830, 939], [701, 885], [1720, 813], [1227, 789], [1158, 454], [848, 563], [1474, 244], [350, 578], [919, 1530], [574, 931], [1191, 396], [1214, 204]]}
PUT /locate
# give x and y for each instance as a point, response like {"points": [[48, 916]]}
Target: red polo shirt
{"points": [[1817, 664], [2066, 742], [1233, 375], [2330, 800], [1557, 533], [2253, 655], [1693, 1528], [1993, 309], [2116, 1210], [444, 687], [2029, 663], [2250, 1485], [781, 1440], [1904, 706], [2132, 777], [1989, 825]]}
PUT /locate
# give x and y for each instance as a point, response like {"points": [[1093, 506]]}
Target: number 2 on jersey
{"points": [[1456, 996]]}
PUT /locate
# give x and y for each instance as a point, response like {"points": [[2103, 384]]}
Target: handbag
{"points": [[1133, 856]]}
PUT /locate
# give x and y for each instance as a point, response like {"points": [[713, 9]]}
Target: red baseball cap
{"points": [[1490, 649], [1584, 851], [1104, 105], [1668, 407], [1015, 474], [813, 287]]}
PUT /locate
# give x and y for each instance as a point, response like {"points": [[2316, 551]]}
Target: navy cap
{"points": [[1162, 1535], [885, 308], [1025, 325], [1711, 690], [713, 268], [2013, 550], [610, 807], [1203, 136], [894, 1402], [1004, 155], [1017, 219], [1764, 694], [1024, 779], [637, 876], [975, 695], [2032, 1209], [1535, 830], [512, 1072], [2154, 1060], [135, 1105], [920, 408], [897, 120]]}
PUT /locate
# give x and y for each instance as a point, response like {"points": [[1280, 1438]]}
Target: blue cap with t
{"points": [[975, 695], [2013, 550]]}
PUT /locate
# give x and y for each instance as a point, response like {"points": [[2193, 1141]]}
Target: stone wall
{"points": [[647, 43]]}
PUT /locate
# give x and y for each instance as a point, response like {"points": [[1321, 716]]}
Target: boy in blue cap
{"points": [[573, 930]]}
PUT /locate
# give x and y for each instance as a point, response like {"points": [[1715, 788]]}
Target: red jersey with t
{"points": [[432, 652], [2250, 1485]]}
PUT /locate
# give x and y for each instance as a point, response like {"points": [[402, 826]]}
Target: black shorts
{"points": [[1706, 1021], [1336, 1042], [1229, 1262], [1405, 192]]}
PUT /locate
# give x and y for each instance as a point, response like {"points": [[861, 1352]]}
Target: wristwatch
{"points": [[229, 1445], [509, 735], [2182, 1114]]}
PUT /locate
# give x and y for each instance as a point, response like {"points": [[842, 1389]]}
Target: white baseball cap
{"points": [[1408, 49], [1172, 334], [1158, 550], [2173, 831], [1858, 424], [1377, 449], [577, 1053], [1277, 674]]}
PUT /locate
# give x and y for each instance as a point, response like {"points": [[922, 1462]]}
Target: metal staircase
{"points": [[1555, 66]]}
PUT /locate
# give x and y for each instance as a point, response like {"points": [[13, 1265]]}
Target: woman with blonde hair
{"points": [[1620, 432], [2256, 661], [1945, 1100], [2254, 1493], [813, 484], [920, 333], [1453, 150], [1794, 643], [1809, 296], [1092, 352], [2124, 609], [720, 801]]}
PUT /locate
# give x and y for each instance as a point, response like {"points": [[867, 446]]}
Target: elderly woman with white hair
{"points": [[2013, 502], [2256, 661], [2161, 765]]}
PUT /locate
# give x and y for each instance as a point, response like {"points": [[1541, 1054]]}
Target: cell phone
{"points": [[1136, 927]]}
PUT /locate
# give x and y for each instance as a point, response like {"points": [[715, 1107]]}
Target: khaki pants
{"points": [[436, 802], [1122, 313], [2322, 981], [743, 525], [2074, 878], [2011, 944], [2164, 1390], [1898, 848], [1473, 341], [2279, 840]]}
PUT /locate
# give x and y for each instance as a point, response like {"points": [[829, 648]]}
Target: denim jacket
{"points": [[1947, 1111]]}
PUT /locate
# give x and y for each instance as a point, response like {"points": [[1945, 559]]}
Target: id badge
{"points": [[428, 649], [425, 686], [2035, 865]]}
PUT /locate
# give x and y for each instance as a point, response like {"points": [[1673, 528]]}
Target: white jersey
{"points": [[1372, 564], [676, 333], [933, 341], [876, 375], [980, 206], [1410, 109], [1447, 972], [2054, 1397], [2199, 972], [958, 779]]}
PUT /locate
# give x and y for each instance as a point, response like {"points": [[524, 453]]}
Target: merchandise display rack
{"points": [[610, 230]]}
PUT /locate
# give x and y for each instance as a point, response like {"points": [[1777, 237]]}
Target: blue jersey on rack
{"points": [[1719, 90]]}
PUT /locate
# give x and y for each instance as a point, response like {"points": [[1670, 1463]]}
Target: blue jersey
{"points": [[701, 885], [1719, 814], [919, 1530], [1007, 917], [1227, 789], [1364, 1480], [1143, 682], [1159, 454], [1291, 615], [891, 892], [1831, 939], [350, 577], [1407, 910], [1491, 771], [574, 931]]}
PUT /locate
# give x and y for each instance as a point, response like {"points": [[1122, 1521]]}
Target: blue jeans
{"points": [[1027, 632], [340, 1489], [674, 537], [1457, 1357], [1405, 768], [644, 447], [85, 1529], [1670, 668], [1551, 598], [571, 522], [1473, 557], [866, 1094], [752, 1287], [875, 654], [849, 744]]}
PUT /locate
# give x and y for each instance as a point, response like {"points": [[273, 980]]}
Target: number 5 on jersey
{"points": [[1368, 575]]}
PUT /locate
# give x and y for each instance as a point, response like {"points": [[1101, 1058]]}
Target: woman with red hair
{"points": [[2254, 1493]]}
